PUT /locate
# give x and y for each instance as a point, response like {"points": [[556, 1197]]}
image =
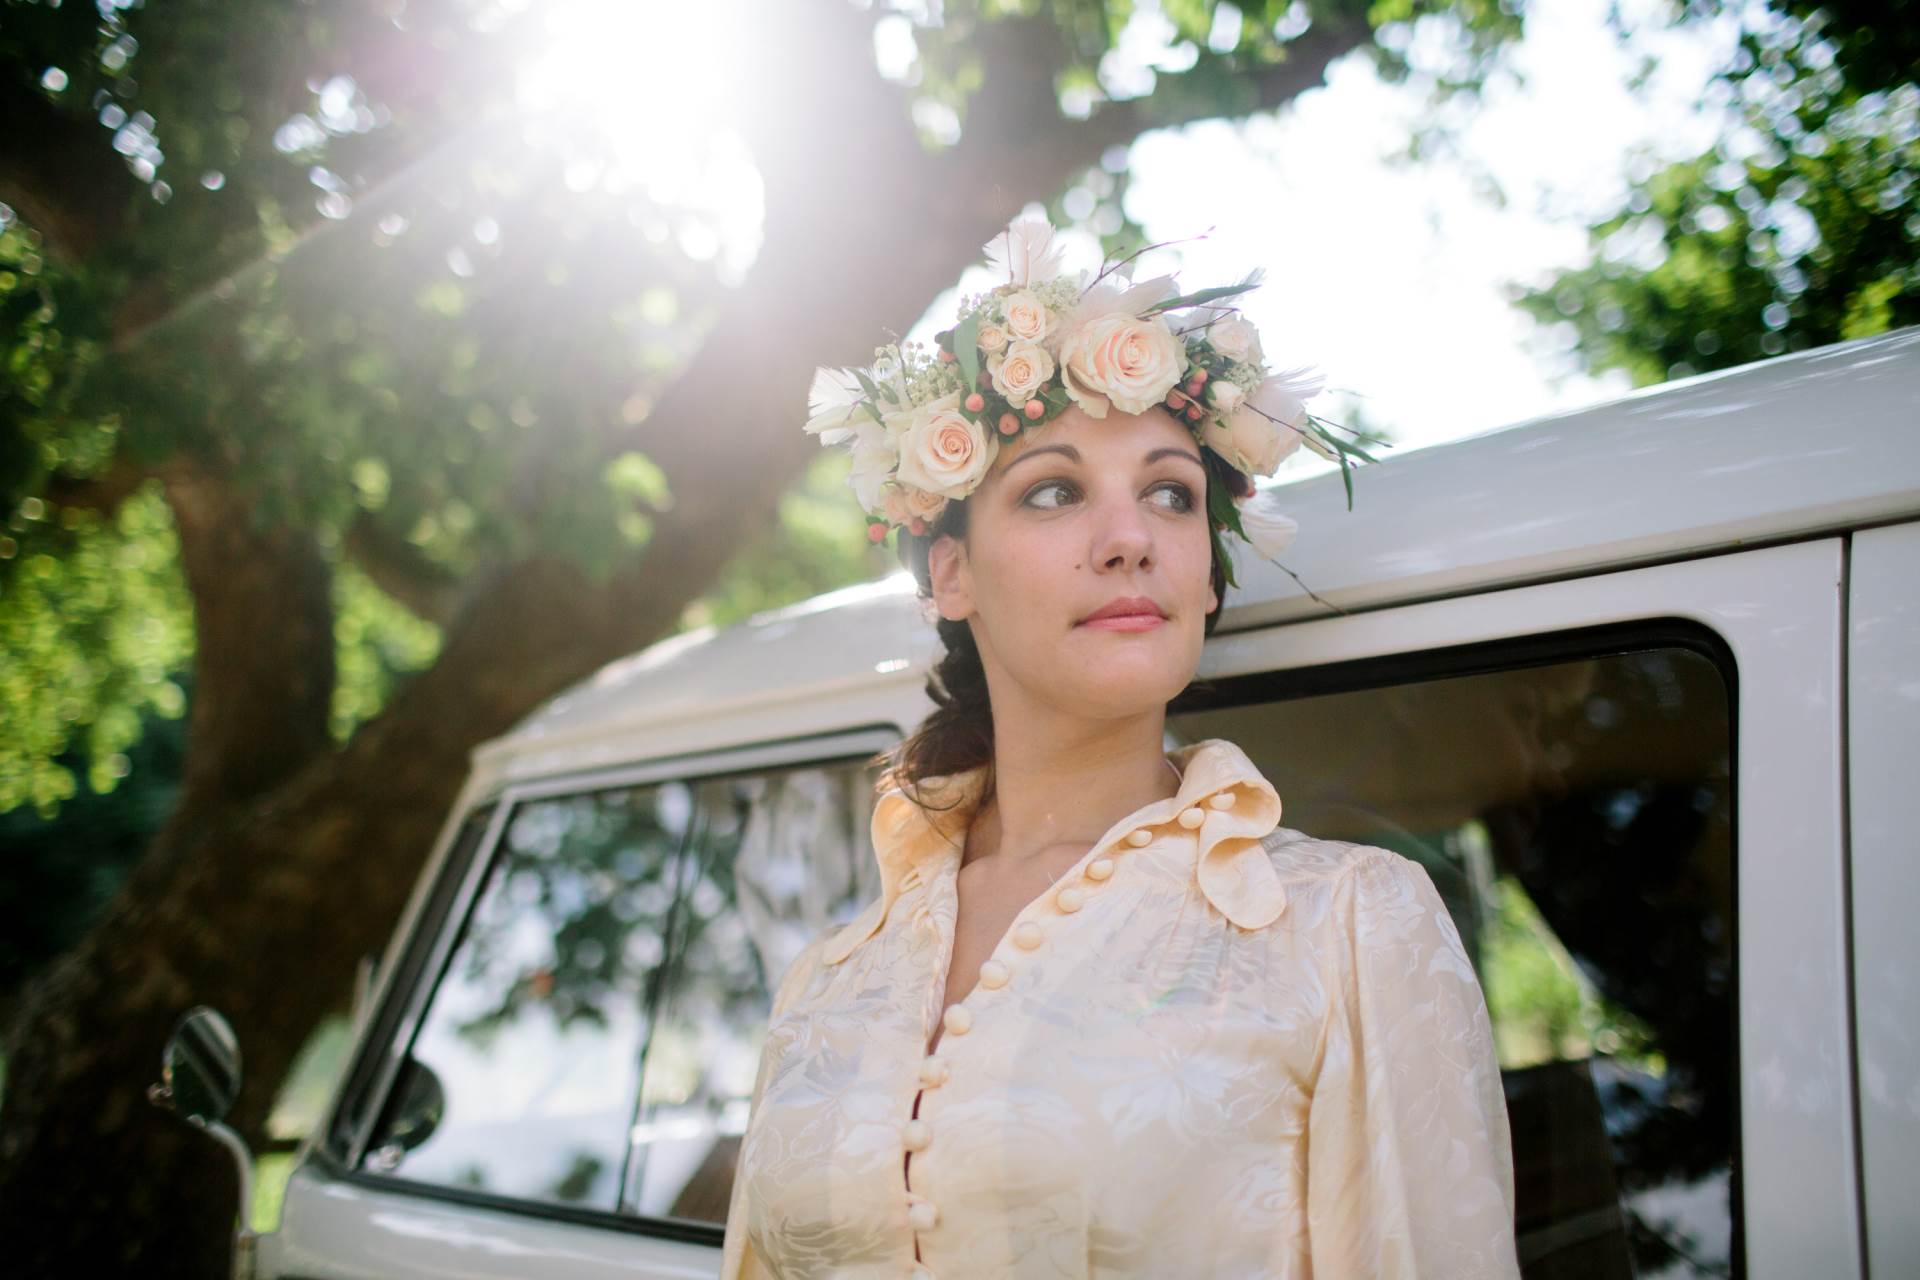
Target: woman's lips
{"points": [[1127, 622]]}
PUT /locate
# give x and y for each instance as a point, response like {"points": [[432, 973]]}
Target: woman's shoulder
{"points": [[1300, 858]]}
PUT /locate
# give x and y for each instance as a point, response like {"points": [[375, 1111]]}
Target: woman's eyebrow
{"points": [[1073, 454]]}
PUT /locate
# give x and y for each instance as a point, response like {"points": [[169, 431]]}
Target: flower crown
{"points": [[926, 427]]}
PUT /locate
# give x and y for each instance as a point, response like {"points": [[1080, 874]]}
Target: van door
{"points": [[1628, 789], [1883, 743]]}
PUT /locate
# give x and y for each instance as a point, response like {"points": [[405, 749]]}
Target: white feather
{"points": [[1268, 528], [1025, 253], [832, 404]]}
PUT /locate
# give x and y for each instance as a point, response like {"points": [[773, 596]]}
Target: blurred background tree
{"points": [[1799, 228]]}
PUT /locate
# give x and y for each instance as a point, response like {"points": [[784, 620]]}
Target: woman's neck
{"points": [[1051, 791]]}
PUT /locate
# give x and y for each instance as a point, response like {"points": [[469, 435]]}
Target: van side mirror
{"points": [[200, 1067]]}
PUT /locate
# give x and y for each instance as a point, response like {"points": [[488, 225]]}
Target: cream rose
{"points": [[906, 503], [1122, 359], [1028, 319], [1235, 339], [1021, 372], [942, 452], [992, 338]]}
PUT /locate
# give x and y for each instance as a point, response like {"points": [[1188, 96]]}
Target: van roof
{"points": [[1781, 449]]}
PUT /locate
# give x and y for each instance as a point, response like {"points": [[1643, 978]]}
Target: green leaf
{"points": [[1203, 295], [966, 348]]}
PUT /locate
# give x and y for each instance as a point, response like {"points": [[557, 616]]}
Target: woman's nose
{"points": [[1122, 538]]}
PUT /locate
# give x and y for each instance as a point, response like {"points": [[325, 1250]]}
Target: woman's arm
{"points": [[1409, 1158]]}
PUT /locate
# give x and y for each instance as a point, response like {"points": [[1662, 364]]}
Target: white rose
{"points": [[1021, 372], [992, 338], [1259, 435], [1248, 441], [1123, 359], [944, 453], [1235, 339], [1225, 396], [1028, 319]]}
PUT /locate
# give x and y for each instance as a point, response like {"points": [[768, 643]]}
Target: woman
{"points": [[1107, 1018]]}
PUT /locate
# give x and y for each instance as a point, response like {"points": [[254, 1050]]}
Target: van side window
{"points": [[1576, 816], [593, 1039]]}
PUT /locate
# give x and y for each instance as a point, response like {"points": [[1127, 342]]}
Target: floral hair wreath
{"points": [[926, 427]]}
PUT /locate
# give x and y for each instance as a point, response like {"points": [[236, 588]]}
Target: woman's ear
{"points": [[947, 575]]}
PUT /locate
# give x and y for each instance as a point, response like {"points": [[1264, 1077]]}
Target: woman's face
{"points": [[1073, 517]]}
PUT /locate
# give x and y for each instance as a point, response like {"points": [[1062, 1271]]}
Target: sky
{"points": [[1391, 276]]}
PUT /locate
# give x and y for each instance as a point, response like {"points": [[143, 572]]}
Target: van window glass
{"points": [[1576, 817], [784, 857], [594, 1039], [521, 1077]]}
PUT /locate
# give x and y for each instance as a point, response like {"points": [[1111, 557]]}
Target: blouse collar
{"points": [[1233, 808]]}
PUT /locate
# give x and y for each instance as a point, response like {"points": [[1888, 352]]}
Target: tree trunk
{"points": [[286, 861]]}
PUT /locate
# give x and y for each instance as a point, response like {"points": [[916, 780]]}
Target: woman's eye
{"points": [[1046, 486], [1182, 496]]}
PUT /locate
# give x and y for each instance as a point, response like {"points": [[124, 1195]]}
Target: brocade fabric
{"points": [[1217, 1047]]}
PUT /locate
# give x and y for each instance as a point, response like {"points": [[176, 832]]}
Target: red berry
{"points": [[1193, 413], [1196, 382], [1034, 409], [1176, 400], [876, 532], [1008, 424], [976, 402]]}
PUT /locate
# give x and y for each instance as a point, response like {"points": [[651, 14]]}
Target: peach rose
{"points": [[1123, 359], [992, 338], [1021, 372], [1028, 319], [944, 453]]}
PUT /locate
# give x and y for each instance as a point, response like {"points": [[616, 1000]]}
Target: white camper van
{"points": [[1638, 685]]}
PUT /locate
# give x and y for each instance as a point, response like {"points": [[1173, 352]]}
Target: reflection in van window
{"points": [[594, 1039], [1577, 819]]}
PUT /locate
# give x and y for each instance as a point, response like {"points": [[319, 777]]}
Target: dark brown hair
{"points": [[958, 734]]}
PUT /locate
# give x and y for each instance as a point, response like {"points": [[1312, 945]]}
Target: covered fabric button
{"points": [[1100, 868], [958, 1019], [1027, 935], [923, 1216], [993, 974], [1071, 899], [1221, 800], [1139, 838], [916, 1135], [1191, 818], [934, 1072]]}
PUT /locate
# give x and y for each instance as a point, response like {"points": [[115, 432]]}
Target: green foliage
{"points": [[376, 643], [1799, 229], [819, 543], [94, 625], [1543, 1010]]}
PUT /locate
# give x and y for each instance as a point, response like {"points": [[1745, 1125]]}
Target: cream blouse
{"points": [[1216, 1047]]}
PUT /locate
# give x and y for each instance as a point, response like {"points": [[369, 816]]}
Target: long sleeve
{"points": [[1409, 1162], [738, 1261]]}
